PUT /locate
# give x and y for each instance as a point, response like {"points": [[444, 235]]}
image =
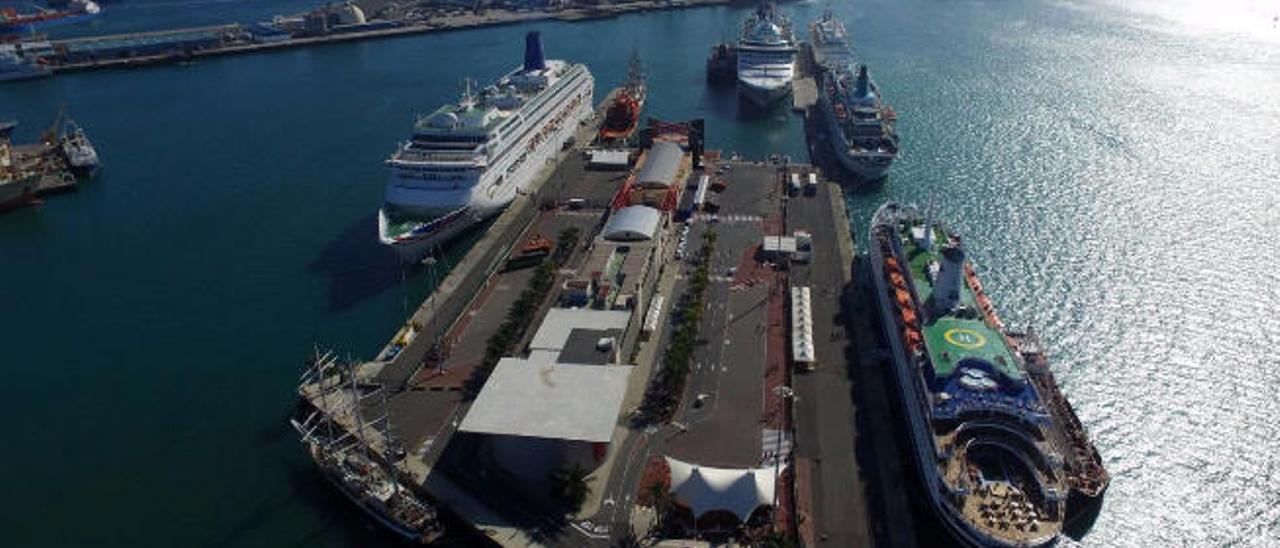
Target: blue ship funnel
{"points": [[533, 57], [861, 90]]}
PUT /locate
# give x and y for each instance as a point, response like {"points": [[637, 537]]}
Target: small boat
{"points": [[81, 155]]}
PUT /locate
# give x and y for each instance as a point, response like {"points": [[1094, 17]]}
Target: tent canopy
{"points": [[704, 488]]}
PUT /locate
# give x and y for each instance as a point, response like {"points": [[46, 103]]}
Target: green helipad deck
{"points": [[951, 339]]}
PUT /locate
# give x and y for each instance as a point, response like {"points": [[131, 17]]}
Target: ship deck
{"points": [[951, 339]]}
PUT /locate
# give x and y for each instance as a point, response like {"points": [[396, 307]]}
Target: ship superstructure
{"points": [[766, 56], [860, 126], [468, 161], [353, 451], [832, 49], [79, 151], [998, 451]]}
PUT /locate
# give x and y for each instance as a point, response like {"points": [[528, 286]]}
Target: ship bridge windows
{"points": [[450, 139]]}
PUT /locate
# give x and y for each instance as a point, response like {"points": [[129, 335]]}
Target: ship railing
{"points": [[405, 156]]}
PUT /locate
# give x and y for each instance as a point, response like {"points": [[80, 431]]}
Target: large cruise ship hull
{"points": [[866, 167], [414, 249], [434, 196], [913, 400], [763, 96]]}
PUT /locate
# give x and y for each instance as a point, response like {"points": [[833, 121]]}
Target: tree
{"points": [[571, 485], [660, 498]]}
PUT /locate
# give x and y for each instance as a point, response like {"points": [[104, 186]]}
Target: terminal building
{"points": [[558, 407]]}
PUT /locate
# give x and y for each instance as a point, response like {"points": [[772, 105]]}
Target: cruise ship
{"points": [[832, 49], [1001, 455], [859, 123], [766, 57], [468, 161]]}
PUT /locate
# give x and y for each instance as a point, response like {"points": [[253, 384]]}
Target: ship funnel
{"points": [[862, 82], [946, 288], [533, 57], [927, 241]]}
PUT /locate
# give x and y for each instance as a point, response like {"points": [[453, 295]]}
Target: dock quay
{"points": [[470, 429], [804, 92], [332, 24]]}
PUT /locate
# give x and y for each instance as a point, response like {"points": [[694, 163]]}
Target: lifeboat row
{"points": [[984, 302], [906, 308]]}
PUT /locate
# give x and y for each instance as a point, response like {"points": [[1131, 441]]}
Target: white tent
{"points": [[704, 488]]}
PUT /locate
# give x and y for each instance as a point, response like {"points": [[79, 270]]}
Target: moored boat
{"points": [[860, 126], [830, 42], [623, 115], [722, 64], [78, 150], [766, 57], [18, 183], [467, 161], [999, 452], [346, 456]]}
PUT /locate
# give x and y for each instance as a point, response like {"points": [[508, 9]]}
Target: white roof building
{"points": [[551, 401], [632, 224], [553, 334], [661, 165]]}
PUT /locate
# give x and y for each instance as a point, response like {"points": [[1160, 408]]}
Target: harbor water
{"points": [[1111, 165]]}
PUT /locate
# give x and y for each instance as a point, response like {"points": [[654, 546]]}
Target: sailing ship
{"points": [[336, 433]]}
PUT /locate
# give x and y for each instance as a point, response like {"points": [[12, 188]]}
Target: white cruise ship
{"points": [[832, 49], [766, 57], [860, 125], [468, 161]]}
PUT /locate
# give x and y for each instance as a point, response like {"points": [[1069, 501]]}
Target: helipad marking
{"points": [[965, 338]]}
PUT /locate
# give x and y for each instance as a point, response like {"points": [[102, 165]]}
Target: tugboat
{"points": [[81, 155], [623, 116], [349, 461]]}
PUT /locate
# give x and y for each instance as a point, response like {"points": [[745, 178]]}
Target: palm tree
{"points": [[570, 485], [661, 499]]}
